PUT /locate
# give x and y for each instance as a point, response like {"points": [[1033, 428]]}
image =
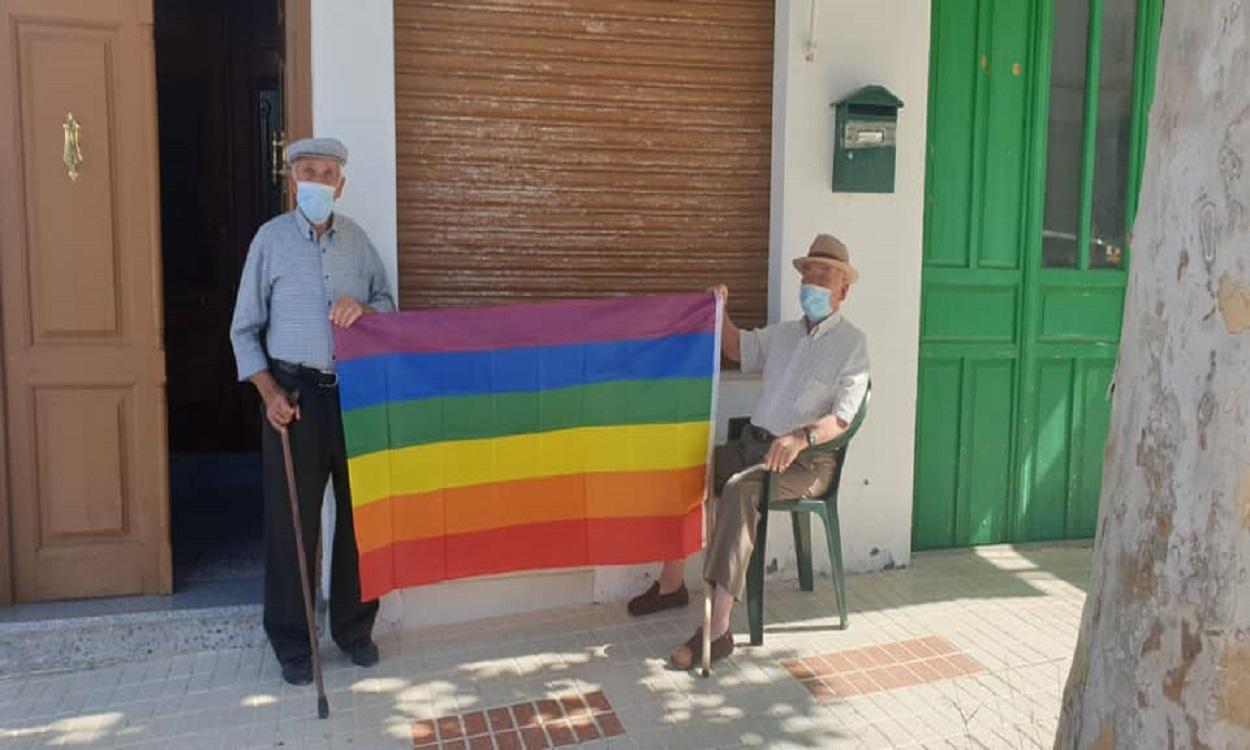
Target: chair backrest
{"points": [[842, 440], [839, 444]]}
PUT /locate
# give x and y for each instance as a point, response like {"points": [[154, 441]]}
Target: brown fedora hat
{"points": [[828, 250]]}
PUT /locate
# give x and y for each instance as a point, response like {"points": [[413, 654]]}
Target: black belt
{"points": [[761, 434], [307, 374]]}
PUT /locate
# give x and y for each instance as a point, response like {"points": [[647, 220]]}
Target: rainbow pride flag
{"points": [[527, 436]]}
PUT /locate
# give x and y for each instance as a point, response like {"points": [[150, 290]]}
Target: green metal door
{"points": [[1036, 134]]}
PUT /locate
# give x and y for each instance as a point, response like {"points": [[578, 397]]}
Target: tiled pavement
{"points": [[973, 652], [570, 719], [839, 675]]}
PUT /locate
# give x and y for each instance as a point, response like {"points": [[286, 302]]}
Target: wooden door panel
{"points": [[1003, 57], [1043, 512], [937, 454], [1080, 307], [986, 443], [1091, 420], [949, 179], [81, 474], [80, 292], [963, 465], [971, 309], [1070, 419], [90, 539], [72, 259]]}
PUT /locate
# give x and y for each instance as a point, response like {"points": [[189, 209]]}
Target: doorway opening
{"points": [[219, 76]]}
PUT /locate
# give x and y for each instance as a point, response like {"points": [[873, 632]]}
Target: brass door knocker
{"points": [[73, 148]]}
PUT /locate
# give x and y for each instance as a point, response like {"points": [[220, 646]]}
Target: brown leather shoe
{"points": [[652, 601], [690, 654]]}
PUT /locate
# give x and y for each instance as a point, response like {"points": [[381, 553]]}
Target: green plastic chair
{"points": [[800, 516]]}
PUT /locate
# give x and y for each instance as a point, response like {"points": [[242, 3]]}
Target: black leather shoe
{"points": [[651, 600], [364, 654], [298, 672]]}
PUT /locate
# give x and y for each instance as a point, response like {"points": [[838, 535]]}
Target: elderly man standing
{"points": [[306, 270], [815, 376]]}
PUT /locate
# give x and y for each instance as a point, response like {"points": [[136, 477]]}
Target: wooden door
{"points": [[974, 270], [79, 259], [1100, 57], [1037, 122]]}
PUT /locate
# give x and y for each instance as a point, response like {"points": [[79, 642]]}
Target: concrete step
{"points": [[206, 615], [97, 640]]}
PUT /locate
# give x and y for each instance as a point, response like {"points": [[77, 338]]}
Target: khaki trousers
{"points": [[736, 512]]}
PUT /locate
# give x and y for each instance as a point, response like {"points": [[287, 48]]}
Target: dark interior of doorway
{"points": [[219, 94]]}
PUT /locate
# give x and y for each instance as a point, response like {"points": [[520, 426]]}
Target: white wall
{"points": [[883, 42], [353, 90]]}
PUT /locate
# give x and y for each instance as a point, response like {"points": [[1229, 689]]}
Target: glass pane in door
{"points": [[1064, 133], [1111, 151]]}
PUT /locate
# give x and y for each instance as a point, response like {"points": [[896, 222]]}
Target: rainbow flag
{"points": [[527, 436]]}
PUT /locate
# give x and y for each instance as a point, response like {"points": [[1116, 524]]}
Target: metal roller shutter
{"points": [[578, 148]]}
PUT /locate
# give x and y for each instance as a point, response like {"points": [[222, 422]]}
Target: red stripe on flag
{"points": [[417, 560], [627, 541], [557, 544]]}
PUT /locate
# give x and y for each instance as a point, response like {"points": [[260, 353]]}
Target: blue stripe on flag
{"points": [[369, 381]]}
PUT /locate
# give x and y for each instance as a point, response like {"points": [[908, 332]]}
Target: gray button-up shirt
{"points": [[291, 280]]}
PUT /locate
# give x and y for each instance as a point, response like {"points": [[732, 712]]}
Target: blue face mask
{"points": [[315, 200], [816, 302]]}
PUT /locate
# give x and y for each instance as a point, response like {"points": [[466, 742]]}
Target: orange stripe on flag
{"points": [[555, 544], [503, 505]]}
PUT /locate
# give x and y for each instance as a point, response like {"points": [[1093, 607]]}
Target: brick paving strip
{"points": [[887, 666], [546, 722]]}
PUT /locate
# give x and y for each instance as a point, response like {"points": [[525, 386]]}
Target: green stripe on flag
{"points": [[435, 420]]}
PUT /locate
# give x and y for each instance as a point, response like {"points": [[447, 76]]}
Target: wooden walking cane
{"points": [[323, 705], [707, 586]]}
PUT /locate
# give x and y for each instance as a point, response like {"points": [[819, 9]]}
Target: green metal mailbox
{"points": [[863, 150]]}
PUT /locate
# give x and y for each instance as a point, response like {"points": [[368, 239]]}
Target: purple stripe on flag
{"points": [[550, 324]]}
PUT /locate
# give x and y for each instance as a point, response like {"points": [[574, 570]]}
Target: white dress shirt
{"points": [[807, 375]]}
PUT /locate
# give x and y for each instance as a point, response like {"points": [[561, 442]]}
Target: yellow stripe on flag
{"points": [[465, 510], [424, 468]]}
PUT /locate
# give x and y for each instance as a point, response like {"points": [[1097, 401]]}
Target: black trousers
{"points": [[318, 452]]}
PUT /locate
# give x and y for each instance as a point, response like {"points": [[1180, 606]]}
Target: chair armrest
{"points": [[832, 446], [844, 438]]}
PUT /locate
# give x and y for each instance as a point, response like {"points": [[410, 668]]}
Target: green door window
{"points": [[1089, 134], [1065, 135]]}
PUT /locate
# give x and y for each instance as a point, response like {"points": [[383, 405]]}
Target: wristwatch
{"points": [[811, 439]]}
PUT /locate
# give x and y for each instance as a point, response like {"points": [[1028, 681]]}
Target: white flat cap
{"points": [[324, 148]]}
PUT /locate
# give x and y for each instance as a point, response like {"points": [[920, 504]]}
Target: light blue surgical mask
{"points": [[315, 201], [816, 302]]}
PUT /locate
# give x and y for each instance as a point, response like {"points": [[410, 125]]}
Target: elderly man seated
{"points": [[815, 376]]}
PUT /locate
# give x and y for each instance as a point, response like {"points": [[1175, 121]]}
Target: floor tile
{"points": [[964, 649]]}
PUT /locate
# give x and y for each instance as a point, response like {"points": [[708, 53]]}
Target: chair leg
{"points": [[833, 534], [755, 583], [802, 523]]}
